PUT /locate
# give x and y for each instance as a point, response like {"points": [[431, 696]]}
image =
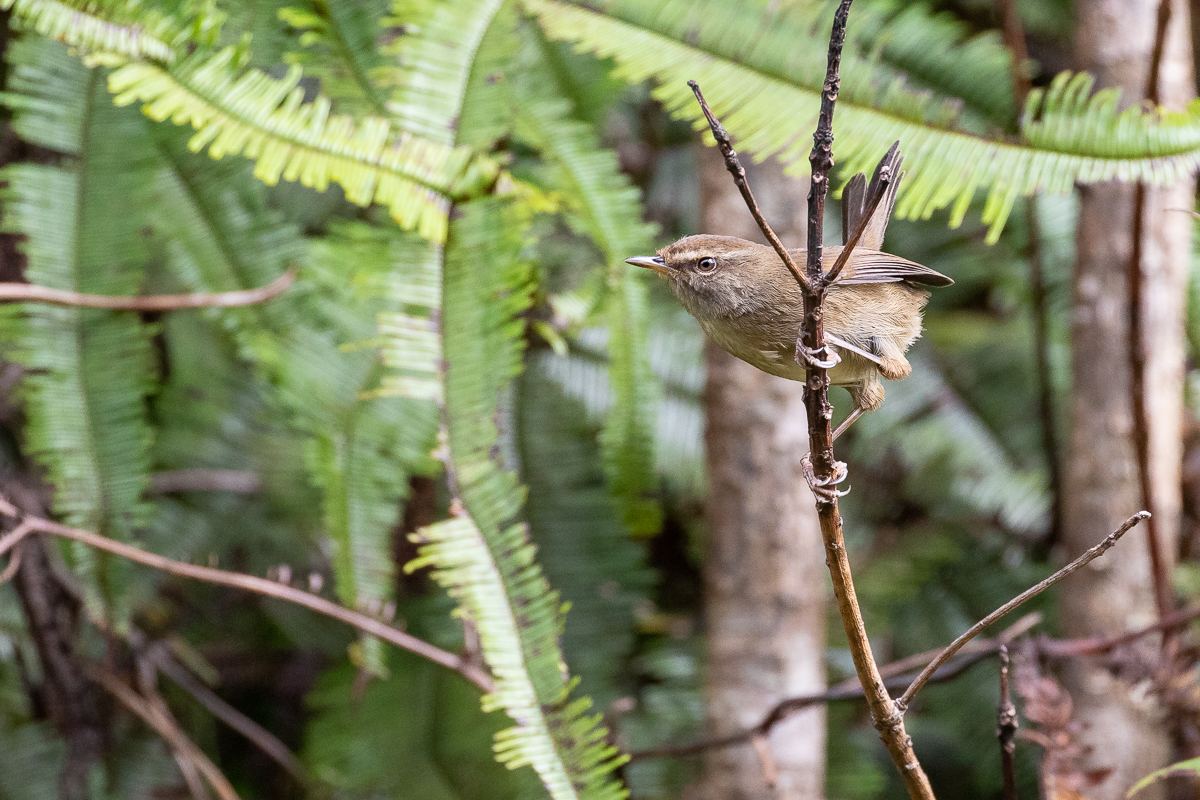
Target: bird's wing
{"points": [[854, 201], [869, 266]]}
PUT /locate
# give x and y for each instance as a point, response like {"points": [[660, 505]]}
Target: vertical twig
{"points": [[1163, 595], [1006, 730], [888, 719], [1014, 39]]}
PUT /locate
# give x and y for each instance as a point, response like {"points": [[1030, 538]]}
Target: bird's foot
{"points": [[825, 489], [823, 357]]}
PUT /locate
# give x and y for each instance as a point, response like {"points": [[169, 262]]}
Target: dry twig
{"points": [[1006, 730], [1090, 555], [369, 625], [28, 293], [888, 719]]}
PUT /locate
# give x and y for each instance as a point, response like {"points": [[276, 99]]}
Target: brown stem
{"points": [[1014, 39], [1097, 646], [250, 583], [888, 718], [28, 293], [1088, 556], [205, 480], [896, 674], [165, 726], [739, 177], [1163, 596], [881, 186], [1006, 730], [267, 742]]}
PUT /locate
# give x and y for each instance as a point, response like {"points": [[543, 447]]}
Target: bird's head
{"points": [[719, 276]]}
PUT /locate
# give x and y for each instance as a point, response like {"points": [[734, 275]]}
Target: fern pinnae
{"points": [[77, 27], [89, 369], [768, 110], [268, 121], [608, 209]]}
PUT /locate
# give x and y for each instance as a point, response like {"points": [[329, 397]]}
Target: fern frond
{"points": [[484, 557], [339, 48], [88, 370], [584, 549], [268, 121], [412, 347], [608, 209], [436, 59], [131, 28], [771, 109]]}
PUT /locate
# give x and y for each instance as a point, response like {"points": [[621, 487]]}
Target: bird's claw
{"points": [[814, 357], [825, 489]]}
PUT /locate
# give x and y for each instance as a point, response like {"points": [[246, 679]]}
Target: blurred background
{"points": [[663, 487]]}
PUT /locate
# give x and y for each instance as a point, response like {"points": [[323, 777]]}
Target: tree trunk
{"points": [[1125, 729], [765, 583]]}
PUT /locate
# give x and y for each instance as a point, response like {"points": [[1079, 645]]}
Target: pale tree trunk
{"points": [[1124, 728], [765, 582]]}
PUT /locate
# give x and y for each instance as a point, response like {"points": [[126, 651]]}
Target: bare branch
{"points": [[1090, 555], [881, 186], [739, 177], [205, 480], [1006, 730], [28, 293], [165, 726], [250, 583]]}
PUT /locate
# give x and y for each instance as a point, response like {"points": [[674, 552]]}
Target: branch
{"points": [[852, 689], [1164, 599], [881, 187], [1097, 646], [1090, 555], [1006, 730], [739, 177], [250, 583], [28, 293], [166, 727], [205, 480]]}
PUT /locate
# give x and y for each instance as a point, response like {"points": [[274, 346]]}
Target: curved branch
{"points": [[250, 583], [29, 293]]}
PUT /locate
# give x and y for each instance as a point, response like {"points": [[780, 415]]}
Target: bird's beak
{"points": [[651, 262]]}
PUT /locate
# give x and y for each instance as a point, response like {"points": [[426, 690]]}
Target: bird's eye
{"points": [[707, 264]]}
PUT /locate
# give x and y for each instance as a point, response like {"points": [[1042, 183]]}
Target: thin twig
{"points": [[166, 727], [1094, 646], [1090, 555], [250, 583], [1006, 730], [205, 480], [266, 741], [28, 293], [1164, 599], [739, 177], [1014, 39], [896, 675], [881, 187], [887, 716]]}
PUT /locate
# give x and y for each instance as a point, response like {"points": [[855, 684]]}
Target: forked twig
{"points": [[825, 471], [29, 293], [739, 177], [369, 625], [1006, 730], [881, 187], [1090, 555]]}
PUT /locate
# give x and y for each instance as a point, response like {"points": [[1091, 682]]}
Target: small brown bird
{"points": [[747, 301]]}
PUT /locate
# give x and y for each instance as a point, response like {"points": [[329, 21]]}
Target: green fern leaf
{"points": [[608, 209], [484, 556], [339, 48], [436, 61], [267, 120], [771, 105], [88, 370]]}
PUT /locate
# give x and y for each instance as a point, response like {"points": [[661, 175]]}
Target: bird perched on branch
{"points": [[749, 303]]}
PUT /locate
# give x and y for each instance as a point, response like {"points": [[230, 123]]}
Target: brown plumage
{"points": [[747, 301]]}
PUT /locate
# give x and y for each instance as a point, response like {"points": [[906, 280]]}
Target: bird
{"points": [[747, 301]]}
